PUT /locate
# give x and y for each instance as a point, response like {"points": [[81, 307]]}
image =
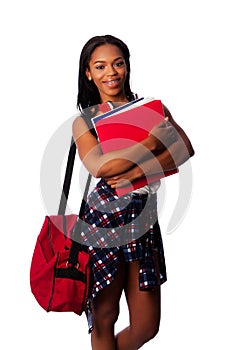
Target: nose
{"points": [[111, 70]]}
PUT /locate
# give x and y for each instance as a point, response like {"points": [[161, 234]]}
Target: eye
{"points": [[120, 63], [99, 67]]}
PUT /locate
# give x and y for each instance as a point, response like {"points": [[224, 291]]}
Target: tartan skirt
{"points": [[126, 224]]}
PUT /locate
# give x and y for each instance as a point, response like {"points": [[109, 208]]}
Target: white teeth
{"points": [[111, 82]]}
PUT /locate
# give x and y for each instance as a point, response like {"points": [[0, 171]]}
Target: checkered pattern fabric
{"points": [[129, 223]]}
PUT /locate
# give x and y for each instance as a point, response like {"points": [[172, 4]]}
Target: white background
{"points": [[181, 52]]}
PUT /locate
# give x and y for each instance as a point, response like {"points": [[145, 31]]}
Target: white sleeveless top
{"points": [[151, 188]]}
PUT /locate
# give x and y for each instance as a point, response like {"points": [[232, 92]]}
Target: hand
{"points": [[163, 134], [124, 179]]}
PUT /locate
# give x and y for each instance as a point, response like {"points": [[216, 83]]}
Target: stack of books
{"points": [[126, 125]]}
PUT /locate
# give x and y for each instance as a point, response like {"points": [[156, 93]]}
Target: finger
{"points": [[119, 184], [162, 124], [111, 182]]}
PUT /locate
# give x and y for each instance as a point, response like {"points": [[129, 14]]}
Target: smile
{"points": [[112, 83]]}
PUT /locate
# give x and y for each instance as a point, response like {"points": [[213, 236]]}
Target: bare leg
{"points": [[144, 311], [105, 312]]}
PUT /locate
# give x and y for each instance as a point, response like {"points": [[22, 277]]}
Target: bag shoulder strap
{"points": [[75, 246], [69, 172]]}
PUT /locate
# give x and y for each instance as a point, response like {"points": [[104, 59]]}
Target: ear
{"points": [[88, 74]]}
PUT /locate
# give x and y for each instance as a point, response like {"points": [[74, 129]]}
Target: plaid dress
{"points": [[129, 224]]}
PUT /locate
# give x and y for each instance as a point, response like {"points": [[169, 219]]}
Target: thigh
{"points": [[107, 300], [144, 306]]}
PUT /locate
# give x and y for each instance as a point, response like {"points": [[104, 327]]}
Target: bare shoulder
{"points": [[167, 112], [83, 137], [79, 127], [79, 124], [181, 132], [171, 120]]}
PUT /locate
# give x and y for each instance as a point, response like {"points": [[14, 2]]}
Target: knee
{"points": [[150, 332], [105, 318], [145, 333]]}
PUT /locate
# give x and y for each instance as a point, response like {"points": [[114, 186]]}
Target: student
{"points": [[136, 267]]}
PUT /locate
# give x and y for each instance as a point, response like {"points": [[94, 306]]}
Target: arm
{"points": [[181, 134], [174, 155], [170, 158], [115, 162]]}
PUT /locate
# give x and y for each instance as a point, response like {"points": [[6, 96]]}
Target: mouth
{"points": [[112, 83]]}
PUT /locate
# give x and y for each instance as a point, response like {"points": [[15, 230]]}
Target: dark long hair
{"points": [[88, 94]]}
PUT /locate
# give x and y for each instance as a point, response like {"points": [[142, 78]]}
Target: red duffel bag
{"points": [[57, 284], [60, 269]]}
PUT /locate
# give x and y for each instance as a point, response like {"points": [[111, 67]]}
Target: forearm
{"points": [[170, 159], [122, 160], [111, 163]]}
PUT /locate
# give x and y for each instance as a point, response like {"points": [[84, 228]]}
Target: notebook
{"points": [[127, 125]]}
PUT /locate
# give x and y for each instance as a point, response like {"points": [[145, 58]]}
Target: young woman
{"points": [[137, 266]]}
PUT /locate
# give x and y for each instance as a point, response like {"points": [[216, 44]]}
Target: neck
{"points": [[119, 98]]}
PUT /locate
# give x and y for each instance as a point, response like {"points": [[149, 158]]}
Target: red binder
{"points": [[128, 127]]}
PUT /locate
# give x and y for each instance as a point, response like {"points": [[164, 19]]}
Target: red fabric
{"points": [[52, 291], [104, 107]]}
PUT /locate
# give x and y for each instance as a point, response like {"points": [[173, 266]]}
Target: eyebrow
{"points": [[102, 61]]}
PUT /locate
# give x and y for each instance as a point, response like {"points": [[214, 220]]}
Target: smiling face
{"points": [[107, 69]]}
